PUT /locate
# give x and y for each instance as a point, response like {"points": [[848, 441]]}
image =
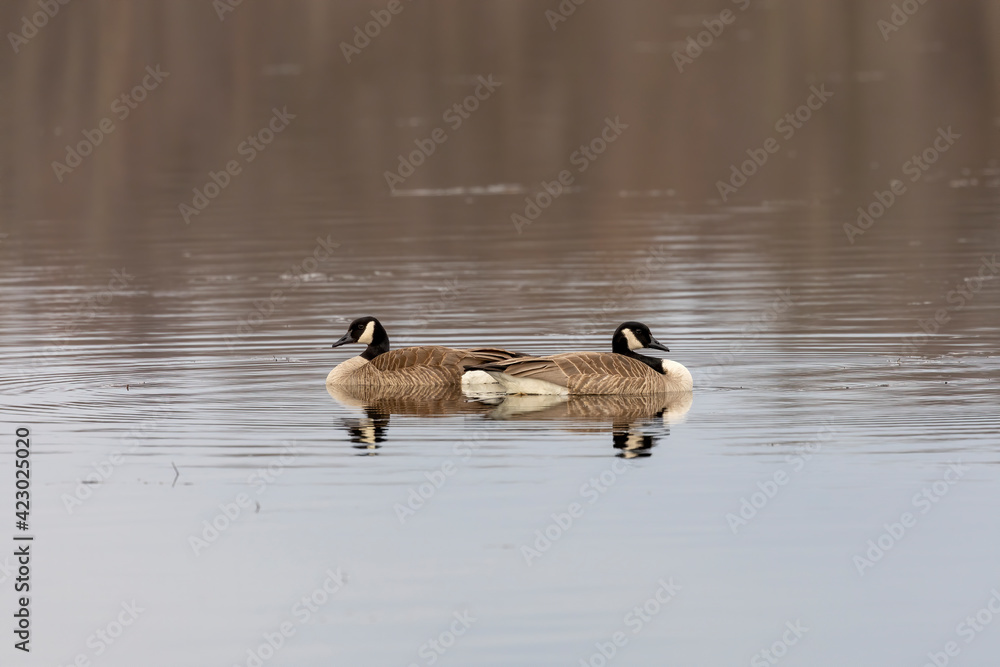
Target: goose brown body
{"points": [[622, 371], [414, 367], [594, 373]]}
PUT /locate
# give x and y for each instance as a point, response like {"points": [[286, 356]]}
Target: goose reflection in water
{"points": [[379, 404], [637, 423], [368, 432]]}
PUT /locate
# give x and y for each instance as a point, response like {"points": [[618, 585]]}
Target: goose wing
{"points": [[412, 357], [439, 357], [602, 364], [581, 372], [432, 364], [417, 366], [535, 368], [486, 355], [607, 373]]}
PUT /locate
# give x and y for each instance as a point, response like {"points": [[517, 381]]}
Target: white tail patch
{"points": [[478, 379], [366, 337]]}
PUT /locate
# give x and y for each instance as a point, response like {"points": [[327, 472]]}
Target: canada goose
{"points": [[623, 371], [408, 367]]}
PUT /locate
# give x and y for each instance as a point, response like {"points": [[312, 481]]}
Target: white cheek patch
{"points": [[366, 337], [633, 342]]}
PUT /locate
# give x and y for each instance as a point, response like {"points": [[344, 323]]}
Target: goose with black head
{"points": [[408, 367], [622, 371]]}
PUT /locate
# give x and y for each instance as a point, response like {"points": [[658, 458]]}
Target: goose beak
{"points": [[657, 345], [344, 341]]}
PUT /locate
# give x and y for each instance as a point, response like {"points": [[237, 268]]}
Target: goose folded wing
{"points": [[534, 368], [603, 364], [411, 357], [487, 355]]}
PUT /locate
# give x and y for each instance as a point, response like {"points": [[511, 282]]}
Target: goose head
{"points": [[632, 336], [367, 331]]}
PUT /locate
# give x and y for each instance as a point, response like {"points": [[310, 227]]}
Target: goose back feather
{"points": [[411, 368], [587, 373]]}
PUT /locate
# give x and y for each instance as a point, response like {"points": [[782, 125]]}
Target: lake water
{"points": [[828, 494]]}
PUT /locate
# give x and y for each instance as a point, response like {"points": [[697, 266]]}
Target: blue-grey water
{"points": [[827, 495]]}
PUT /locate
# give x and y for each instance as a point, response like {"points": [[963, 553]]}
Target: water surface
{"points": [[172, 374]]}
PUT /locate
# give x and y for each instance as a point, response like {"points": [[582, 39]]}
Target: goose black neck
{"points": [[379, 344], [619, 344], [653, 362]]}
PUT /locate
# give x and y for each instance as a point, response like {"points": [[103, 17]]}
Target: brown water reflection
{"points": [[352, 121], [636, 423]]}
